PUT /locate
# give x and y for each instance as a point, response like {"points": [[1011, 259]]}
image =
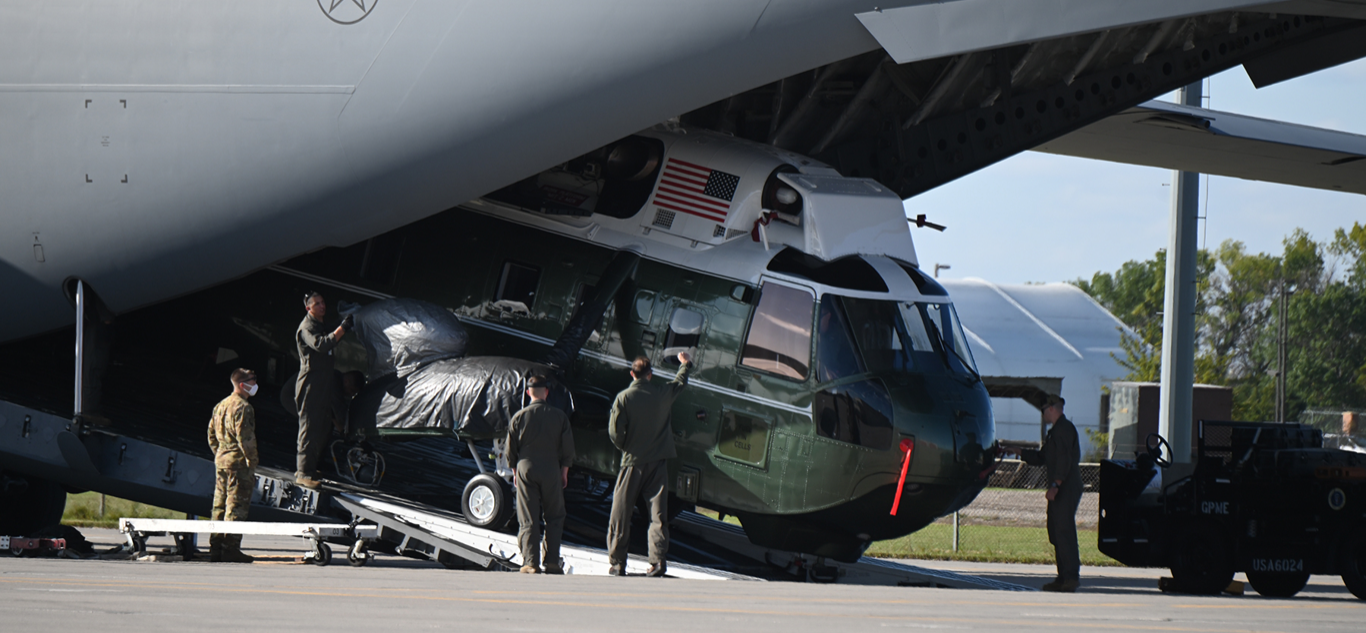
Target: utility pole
{"points": [[1178, 318], [1282, 332]]}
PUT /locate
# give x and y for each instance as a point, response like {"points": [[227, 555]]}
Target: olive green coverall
{"points": [[539, 444], [314, 389], [639, 426]]}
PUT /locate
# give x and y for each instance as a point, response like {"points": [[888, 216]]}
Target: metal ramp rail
{"points": [[446, 538], [865, 571]]}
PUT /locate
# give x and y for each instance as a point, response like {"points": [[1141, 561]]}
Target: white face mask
{"points": [[251, 389]]}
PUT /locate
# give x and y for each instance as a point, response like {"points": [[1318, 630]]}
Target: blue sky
{"points": [[1042, 218]]}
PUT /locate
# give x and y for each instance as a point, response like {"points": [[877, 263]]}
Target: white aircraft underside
{"points": [[154, 148]]}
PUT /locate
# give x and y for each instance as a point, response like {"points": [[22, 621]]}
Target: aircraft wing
{"points": [[1160, 134]]}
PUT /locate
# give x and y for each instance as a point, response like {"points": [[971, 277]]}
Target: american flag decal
{"points": [[696, 190]]}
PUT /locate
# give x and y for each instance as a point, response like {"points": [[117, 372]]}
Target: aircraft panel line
{"points": [[207, 88]]}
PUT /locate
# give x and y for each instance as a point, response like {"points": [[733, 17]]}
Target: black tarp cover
{"points": [[421, 385], [472, 397], [402, 335]]}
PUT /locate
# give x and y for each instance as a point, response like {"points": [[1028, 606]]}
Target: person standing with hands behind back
{"points": [[540, 448], [639, 426], [313, 390]]}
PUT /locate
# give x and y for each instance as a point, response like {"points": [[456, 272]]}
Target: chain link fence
{"points": [[1008, 521], [1330, 421]]}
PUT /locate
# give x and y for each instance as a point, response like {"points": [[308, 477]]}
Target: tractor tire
{"points": [[1201, 563]]}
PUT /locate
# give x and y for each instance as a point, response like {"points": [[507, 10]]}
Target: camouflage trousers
{"points": [[231, 499]]}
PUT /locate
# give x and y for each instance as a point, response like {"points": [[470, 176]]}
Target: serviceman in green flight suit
{"points": [[313, 393], [232, 438], [540, 447], [639, 426], [1062, 457]]}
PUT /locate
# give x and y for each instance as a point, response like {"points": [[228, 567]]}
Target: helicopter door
{"points": [[686, 331]]}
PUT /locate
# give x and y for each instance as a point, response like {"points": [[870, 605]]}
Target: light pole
{"points": [[937, 267]]}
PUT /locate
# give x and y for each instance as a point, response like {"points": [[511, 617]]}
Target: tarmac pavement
{"points": [[393, 593]]}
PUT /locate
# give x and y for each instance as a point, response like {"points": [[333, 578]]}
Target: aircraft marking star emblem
{"points": [[347, 11]]}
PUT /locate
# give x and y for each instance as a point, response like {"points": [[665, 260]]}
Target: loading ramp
{"points": [[156, 467], [446, 538]]}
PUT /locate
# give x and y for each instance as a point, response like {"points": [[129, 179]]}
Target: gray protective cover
{"points": [[402, 335], [471, 397]]}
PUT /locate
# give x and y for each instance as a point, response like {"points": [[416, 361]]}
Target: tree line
{"points": [[1239, 321]]}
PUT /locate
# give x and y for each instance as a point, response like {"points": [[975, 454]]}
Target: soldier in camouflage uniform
{"points": [[314, 389], [232, 437]]}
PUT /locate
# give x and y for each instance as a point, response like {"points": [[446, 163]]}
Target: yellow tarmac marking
{"points": [[1016, 622]]}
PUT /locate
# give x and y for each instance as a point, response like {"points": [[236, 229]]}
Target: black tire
{"points": [[357, 554], [322, 555], [1200, 562], [1354, 562], [38, 505], [1277, 585], [487, 502]]}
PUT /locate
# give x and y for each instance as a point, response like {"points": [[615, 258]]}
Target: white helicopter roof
{"points": [[1034, 331]]}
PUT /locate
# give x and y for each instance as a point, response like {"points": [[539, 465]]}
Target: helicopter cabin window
{"points": [[685, 332], [857, 413], [644, 307], [779, 339], [517, 287]]}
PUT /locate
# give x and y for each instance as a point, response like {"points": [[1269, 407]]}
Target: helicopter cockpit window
{"points": [[779, 338], [896, 336], [685, 332], [517, 287], [835, 353], [883, 336], [857, 413], [945, 321]]}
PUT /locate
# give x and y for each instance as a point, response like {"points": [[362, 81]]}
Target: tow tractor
{"points": [[1265, 499]]}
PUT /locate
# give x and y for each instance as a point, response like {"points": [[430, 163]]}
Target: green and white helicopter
{"points": [[834, 399]]}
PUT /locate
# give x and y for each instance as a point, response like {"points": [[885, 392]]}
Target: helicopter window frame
{"points": [[643, 306], [673, 336], [750, 356], [517, 274]]}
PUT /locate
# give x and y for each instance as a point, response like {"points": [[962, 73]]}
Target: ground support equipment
{"points": [[136, 531], [446, 538], [1265, 499], [19, 545]]}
